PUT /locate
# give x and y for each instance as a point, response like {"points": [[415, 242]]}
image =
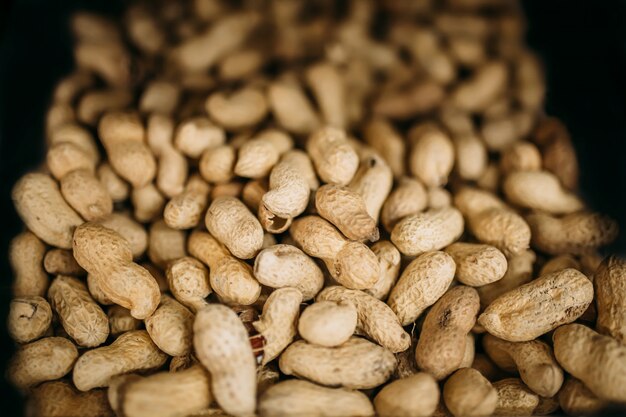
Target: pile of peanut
{"points": [[290, 208]]}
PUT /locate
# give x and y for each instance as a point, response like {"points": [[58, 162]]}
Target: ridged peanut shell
{"points": [[170, 327], [431, 230], [477, 264], [610, 289], [468, 393], [29, 318], [414, 396], [347, 211]]}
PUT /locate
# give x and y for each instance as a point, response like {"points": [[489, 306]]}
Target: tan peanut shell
{"points": [[610, 289], [432, 155], [334, 366], [373, 181], [575, 233], [65, 157], [421, 284], [389, 262], [148, 203], [482, 88], [188, 280], [44, 360], [115, 186], [520, 156], [280, 266], [352, 264], [120, 320], [560, 262], [476, 264], [222, 346], [328, 323], [291, 107], [107, 257], [470, 156], [196, 135], [279, 321], [431, 230], [170, 327], [185, 210], [597, 360], [409, 197], [502, 228], [540, 190], [96, 102], [61, 262], [414, 396], [468, 393], [328, 87], [296, 398], [29, 318], [347, 211], [301, 161], [239, 110], [165, 244], [442, 342], [41, 206], [26, 255], [171, 172], [132, 351], [167, 394], [533, 360], [533, 309], [79, 314], [576, 399], [130, 230], [230, 278], [514, 398], [61, 399], [384, 138], [229, 220], [82, 190], [519, 271], [335, 160], [217, 164], [374, 318]]}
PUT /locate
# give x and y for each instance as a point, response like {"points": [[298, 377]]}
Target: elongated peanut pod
{"points": [[222, 346], [576, 399], [291, 107], [188, 280], [375, 318], [519, 272], [421, 284], [328, 88], [148, 203], [29, 318], [534, 360], [432, 230], [347, 211], [471, 156], [239, 110], [610, 289], [294, 398], [61, 262], [540, 190], [301, 161], [82, 190], [130, 230], [502, 228], [468, 393], [547, 302], [108, 258], [482, 88], [352, 264], [442, 343], [81, 317], [185, 210], [409, 197], [432, 155], [477, 265], [514, 398], [415, 395], [328, 323], [170, 327], [41, 206], [218, 163], [172, 172], [334, 366], [335, 160], [597, 360], [60, 398], [373, 181], [278, 321], [382, 136], [132, 351], [258, 155], [389, 263], [26, 255], [120, 320]]}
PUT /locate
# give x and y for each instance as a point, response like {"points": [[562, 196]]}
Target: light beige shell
{"points": [[431, 230], [375, 318], [540, 190], [29, 318], [346, 210], [280, 266], [421, 284], [230, 221], [575, 233], [82, 190], [167, 394], [171, 172], [519, 271], [165, 244], [389, 262], [41, 206], [514, 398], [576, 399], [279, 321], [373, 181], [120, 320], [442, 342], [197, 134], [159, 96], [116, 187], [218, 163], [533, 360], [65, 157], [79, 314], [352, 264], [328, 323], [107, 257], [301, 161], [414, 396], [26, 255], [560, 262], [471, 156], [94, 103], [222, 346], [329, 90], [476, 264], [536, 308], [132, 351], [61, 262], [159, 132], [170, 327], [130, 230], [44, 360], [610, 290], [291, 107], [382, 136], [148, 203], [468, 393], [335, 160], [297, 398], [61, 399], [133, 161], [520, 156], [597, 360], [502, 228], [487, 82], [334, 366], [188, 280], [432, 155], [239, 110], [186, 209]]}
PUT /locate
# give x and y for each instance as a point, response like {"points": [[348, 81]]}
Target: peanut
{"points": [[477, 265], [335, 160], [26, 255], [576, 399], [239, 110], [428, 231], [291, 107], [519, 272], [347, 211], [373, 181], [61, 399], [29, 318], [538, 307], [432, 155], [170, 327], [333, 366], [130, 230], [328, 323], [148, 203], [120, 320], [222, 346], [258, 155], [217, 164], [330, 93], [132, 351], [61, 262], [610, 290], [414, 396], [540, 190], [165, 244], [468, 393], [389, 263], [514, 398], [188, 280], [409, 197]]}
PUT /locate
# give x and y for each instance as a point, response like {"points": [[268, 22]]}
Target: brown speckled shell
{"points": [[576, 399], [389, 263], [130, 230], [288, 193], [185, 210], [373, 181]]}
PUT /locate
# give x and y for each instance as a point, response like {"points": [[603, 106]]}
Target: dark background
{"points": [[583, 46]]}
